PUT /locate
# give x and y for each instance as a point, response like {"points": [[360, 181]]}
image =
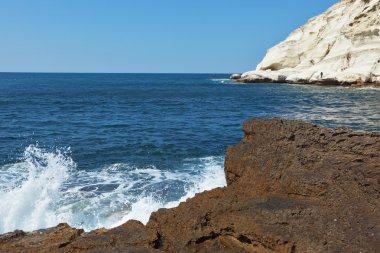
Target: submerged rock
{"points": [[292, 187], [338, 47]]}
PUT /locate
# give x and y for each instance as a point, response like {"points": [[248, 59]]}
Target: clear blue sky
{"points": [[196, 36]]}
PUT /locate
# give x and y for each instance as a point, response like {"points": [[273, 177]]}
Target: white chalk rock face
{"points": [[340, 46]]}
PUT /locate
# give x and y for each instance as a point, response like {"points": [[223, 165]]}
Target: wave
{"points": [[370, 88], [223, 80], [211, 177], [46, 188], [30, 189]]}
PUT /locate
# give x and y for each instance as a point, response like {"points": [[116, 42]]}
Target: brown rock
{"points": [[44, 240], [320, 186], [292, 187]]}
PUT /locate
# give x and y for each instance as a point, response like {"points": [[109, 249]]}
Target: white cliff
{"points": [[340, 46]]}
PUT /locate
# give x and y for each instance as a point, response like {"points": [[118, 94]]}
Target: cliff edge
{"points": [[292, 187], [338, 47]]}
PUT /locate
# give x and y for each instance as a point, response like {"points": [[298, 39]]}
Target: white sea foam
{"points": [[223, 80], [369, 88], [28, 198], [212, 177], [46, 188]]}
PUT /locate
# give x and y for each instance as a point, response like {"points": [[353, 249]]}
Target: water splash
{"points": [[46, 188], [211, 177], [28, 200]]}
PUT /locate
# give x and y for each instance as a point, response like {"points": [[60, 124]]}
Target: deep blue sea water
{"points": [[95, 150]]}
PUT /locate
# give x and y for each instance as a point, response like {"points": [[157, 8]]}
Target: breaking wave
{"points": [[46, 188]]}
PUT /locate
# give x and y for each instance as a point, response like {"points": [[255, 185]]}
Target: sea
{"points": [[96, 150]]}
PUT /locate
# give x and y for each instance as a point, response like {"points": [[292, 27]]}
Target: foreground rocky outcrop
{"points": [[292, 187], [338, 47]]}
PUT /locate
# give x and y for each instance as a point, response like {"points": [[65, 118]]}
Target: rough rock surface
{"points": [[292, 187], [340, 46]]}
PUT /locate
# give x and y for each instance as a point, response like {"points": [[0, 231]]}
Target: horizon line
{"points": [[53, 72]]}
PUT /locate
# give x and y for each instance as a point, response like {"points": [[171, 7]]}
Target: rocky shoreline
{"points": [[325, 82], [339, 47], [292, 187]]}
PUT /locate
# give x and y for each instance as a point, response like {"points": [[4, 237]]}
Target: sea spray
{"points": [[29, 202], [46, 188]]}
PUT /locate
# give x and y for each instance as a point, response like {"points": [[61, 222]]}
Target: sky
{"points": [[145, 36]]}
